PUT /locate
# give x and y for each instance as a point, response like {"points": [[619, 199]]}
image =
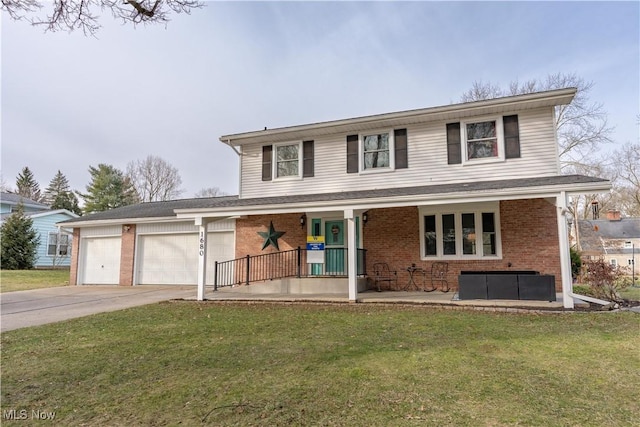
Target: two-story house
{"points": [[54, 248], [476, 185]]}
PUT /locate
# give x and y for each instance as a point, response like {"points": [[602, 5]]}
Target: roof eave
{"points": [[517, 102]]}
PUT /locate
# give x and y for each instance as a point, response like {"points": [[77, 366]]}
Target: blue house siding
{"points": [[45, 223]]}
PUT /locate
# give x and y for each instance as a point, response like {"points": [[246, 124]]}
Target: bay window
{"points": [[471, 231]]}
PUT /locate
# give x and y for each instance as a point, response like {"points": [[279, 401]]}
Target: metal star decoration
{"points": [[271, 237]]}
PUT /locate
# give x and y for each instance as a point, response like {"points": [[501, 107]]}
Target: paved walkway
{"points": [[41, 306]]}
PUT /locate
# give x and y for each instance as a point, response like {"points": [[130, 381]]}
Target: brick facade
{"points": [[127, 254], [529, 235], [75, 251]]}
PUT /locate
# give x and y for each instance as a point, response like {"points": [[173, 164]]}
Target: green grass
{"points": [[632, 293], [22, 280], [345, 365]]}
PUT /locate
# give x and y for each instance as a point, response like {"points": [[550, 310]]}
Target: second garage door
{"points": [[172, 259]]}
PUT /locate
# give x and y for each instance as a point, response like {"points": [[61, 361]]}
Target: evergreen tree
{"points": [[67, 200], [27, 186], [59, 195], [18, 242], [109, 189]]}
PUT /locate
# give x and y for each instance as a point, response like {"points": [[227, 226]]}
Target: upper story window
{"points": [[482, 140], [628, 245], [288, 160], [472, 231], [377, 151], [477, 141]]}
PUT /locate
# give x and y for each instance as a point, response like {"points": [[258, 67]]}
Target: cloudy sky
{"points": [[71, 101]]}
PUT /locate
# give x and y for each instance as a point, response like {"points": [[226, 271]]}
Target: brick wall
{"points": [[127, 254], [529, 241], [75, 250]]}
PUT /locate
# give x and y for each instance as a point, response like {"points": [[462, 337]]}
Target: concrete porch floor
{"points": [[435, 298]]}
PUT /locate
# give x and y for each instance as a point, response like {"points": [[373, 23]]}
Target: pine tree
{"points": [[59, 195], [18, 242], [27, 186], [109, 189]]}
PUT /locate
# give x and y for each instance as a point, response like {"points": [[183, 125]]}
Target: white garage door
{"points": [[101, 263], [172, 259]]}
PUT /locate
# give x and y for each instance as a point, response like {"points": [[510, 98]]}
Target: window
{"points": [[628, 245], [495, 138], [287, 160], [482, 140], [613, 262], [468, 232], [375, 149], [58, 244]]}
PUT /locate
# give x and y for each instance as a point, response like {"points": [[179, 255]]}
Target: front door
{"points": [[335, 252]]}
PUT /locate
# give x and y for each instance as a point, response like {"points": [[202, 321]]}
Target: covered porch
{"points": [[517, 224]]}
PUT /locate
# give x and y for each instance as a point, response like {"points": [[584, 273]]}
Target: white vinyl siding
{"points": [[427, 155]]}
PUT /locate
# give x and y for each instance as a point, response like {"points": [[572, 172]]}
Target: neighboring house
{"points": [[476, 185], [614, 239], [54, 249]]}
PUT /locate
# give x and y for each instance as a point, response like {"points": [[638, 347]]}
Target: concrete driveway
{"points": [[40, 306]]}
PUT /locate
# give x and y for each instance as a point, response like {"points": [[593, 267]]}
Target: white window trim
{"points": [[499, 137], [628, 245], [58, 244], [274, 161], [457, 210], [392, 151]]}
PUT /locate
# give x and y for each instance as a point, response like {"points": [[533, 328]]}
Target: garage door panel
{"points": [[173, 258], [101, 263]]}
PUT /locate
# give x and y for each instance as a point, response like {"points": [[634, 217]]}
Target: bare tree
{"points": [[209, 192], [154, 179], [626, 163], [72, 15], [581, 126]]}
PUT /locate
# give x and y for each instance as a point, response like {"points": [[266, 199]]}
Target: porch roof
{"points": [[230, 206]]}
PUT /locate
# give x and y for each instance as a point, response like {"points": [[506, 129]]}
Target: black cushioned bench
{"points": [[513, 284]]}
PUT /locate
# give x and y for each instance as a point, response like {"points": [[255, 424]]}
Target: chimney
{"points": [[594, 209], [613, 215]]}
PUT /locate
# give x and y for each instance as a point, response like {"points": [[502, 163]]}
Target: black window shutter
{"points": [[307, 158], [266, 162], [454, 155], [352, 153], [400, 141], [511, 137]]}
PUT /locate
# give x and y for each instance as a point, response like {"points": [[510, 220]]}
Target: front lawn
{"points": [[346, 365], [22, 280]]}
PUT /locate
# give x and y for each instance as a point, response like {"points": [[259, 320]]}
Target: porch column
{"points": [[565, 257], [352, 254], [202, 256]]}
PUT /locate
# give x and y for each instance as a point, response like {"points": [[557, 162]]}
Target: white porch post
{"points": [[565, 257], [352, 255], [202, 256]]}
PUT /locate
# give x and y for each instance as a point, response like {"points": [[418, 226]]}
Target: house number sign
{"points": [[202, 243]]}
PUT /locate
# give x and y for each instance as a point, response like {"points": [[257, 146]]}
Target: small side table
{"points": [[412, 282]]}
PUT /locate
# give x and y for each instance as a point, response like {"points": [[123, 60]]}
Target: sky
{"points": [[69, 101]]}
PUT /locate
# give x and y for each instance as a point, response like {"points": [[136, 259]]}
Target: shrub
{"points": [[19, 242], [576, 262], [606, 280]]}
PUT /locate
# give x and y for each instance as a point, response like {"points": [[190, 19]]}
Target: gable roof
{"points": [[234, 206], [452, 112], [594, 234], [15, 199]]}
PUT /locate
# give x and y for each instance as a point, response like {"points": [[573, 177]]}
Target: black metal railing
{"points": [[278, 265]]}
